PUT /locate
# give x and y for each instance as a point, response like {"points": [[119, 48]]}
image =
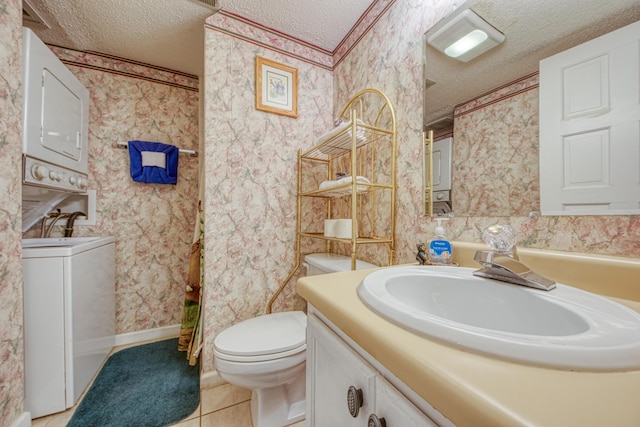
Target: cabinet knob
{"points": [[354, 400], [374, 421]]}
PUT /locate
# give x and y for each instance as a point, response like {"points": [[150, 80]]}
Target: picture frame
{"points": [[276, 88]]}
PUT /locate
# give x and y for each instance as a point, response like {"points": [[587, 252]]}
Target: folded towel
{"points": [[340, 127], [153, 162], [359, 178], [328, 184]]}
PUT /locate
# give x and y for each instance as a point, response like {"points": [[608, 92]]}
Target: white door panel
{"points": [[590, 127], [586, 88]]}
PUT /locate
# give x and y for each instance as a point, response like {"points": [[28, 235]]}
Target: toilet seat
{"points": [[263, 338]]}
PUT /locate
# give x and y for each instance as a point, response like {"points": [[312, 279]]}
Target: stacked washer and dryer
{"points": [[69, 283]]}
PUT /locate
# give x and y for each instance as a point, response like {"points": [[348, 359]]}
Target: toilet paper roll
{"points": [[330, 227], [343, 229]]}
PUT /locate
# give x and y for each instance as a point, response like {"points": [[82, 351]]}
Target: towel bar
{"points": [[191, 153]]}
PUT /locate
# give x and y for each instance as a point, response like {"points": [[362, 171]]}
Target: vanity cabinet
{"points": [[344, 390]]}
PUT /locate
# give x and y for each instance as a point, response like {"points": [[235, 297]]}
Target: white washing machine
{"points": [[69, 317]]}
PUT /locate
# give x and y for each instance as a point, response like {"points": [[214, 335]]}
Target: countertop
{"points": [[472, 389]]}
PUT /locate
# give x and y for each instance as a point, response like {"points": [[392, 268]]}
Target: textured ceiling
{"points": [[170, 33], [321, 23], [534, 29]]}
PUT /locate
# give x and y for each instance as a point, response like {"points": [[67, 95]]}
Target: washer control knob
{"points": [[54, 176], [72, 180], [39, 172]]}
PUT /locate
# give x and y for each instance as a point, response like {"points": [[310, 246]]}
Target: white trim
{"points": [[155, 334], [24, 420]]}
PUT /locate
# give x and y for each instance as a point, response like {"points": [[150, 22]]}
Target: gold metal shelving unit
{"points": [[427, 173], [364, 145]]}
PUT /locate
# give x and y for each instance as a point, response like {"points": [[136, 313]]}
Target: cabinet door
{"points": [[332, 368], [396, 410], [590, 127]]}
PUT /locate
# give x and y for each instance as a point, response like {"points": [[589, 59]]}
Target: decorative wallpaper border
{"points": [[126, 67], [368, 19], [257, 34], [254, 33], [516, 87]]}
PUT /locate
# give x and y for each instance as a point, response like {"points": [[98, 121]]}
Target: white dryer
{"points": [[69, 317]]}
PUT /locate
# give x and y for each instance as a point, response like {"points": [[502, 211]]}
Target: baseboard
{"points": [[155, 334], [24, 420], [211, 379]]}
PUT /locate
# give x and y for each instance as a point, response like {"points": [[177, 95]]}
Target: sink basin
{"points": [[565, 328]]}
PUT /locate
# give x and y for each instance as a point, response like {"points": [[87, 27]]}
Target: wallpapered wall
{"points": [[495, 154], [11, 339], [250, 162], [390, 58], [251, 178], [240, 274], [152, 223]]}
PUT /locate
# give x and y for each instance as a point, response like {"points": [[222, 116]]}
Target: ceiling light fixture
{"points": [[465, 36]]}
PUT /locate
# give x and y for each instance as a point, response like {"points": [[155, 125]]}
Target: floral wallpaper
{"points": [[11, 337], [152, 223], [495, 153], [250, 161], [251, 176], [390, 59], [386, 56]]}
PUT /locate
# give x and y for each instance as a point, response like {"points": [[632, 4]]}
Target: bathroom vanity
{"points": [[348, 389], [409, 379]]}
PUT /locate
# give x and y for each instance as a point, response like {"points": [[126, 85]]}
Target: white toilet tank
{"points": [[331, 263]]}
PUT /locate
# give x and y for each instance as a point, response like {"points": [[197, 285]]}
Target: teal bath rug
{"points": [[151, 385]]}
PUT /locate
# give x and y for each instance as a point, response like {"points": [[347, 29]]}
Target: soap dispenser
{"points": [[440, 249]]}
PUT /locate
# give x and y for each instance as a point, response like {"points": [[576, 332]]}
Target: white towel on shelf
{"points": [[327, 184], [360, 134], [348, 179], [340, 188]]}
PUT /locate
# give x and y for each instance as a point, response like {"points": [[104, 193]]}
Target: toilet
{"points": [[266, 354]]}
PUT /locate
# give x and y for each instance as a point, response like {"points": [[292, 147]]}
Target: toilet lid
{"points": [[268, 334]]}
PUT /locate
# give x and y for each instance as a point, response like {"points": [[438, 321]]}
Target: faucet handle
{"points": [[501, 238], [508, 269]]}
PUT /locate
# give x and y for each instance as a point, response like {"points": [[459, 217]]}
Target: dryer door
{"points": [[61, 118]]}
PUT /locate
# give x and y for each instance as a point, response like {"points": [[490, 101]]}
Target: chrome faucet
{"points": [[507, 269], [501, 263]]}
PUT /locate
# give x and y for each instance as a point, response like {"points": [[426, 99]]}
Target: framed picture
{"points": [[276, 88]]}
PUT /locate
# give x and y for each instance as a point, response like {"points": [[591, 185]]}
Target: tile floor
{"points": [[222, 406]]}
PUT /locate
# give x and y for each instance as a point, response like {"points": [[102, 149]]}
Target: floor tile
{"points": [[193, 422], [56, 420], [233, 416], [215, 398]]}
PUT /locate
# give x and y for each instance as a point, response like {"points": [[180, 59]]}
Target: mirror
{"points": [[495, 137]]}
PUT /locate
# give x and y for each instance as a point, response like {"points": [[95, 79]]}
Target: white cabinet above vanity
{"points": [[589, 133]]}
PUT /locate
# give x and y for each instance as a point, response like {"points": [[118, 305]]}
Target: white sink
{"points": [[565, 328]]}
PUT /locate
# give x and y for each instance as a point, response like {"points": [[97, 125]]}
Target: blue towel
{"points": [[153, 162]]}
